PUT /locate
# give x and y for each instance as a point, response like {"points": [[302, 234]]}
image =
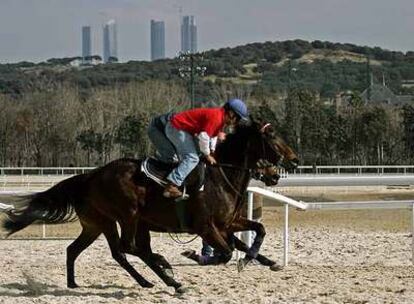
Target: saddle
{"points": [[158, 171]]}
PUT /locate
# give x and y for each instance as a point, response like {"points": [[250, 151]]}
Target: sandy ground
{"points": [[335, 257], [326, 266]]}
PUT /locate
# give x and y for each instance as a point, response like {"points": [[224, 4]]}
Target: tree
{"points": [[408, 123], [372, 133], [132, 135]]}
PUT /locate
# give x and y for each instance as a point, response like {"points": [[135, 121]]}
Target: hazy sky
{"points": [[36, 30]]}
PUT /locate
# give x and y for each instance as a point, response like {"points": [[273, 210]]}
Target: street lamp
{"points": [[190, 68]]}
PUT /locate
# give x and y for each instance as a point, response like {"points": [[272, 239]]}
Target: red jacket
{"points": [[195, 121]]}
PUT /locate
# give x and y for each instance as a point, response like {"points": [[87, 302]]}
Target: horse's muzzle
{"points": [[270, 180], [268, 174], [291, 164]]}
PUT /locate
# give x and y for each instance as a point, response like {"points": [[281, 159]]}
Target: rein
{"points": [[177, 240], [224, 165], [229, 183]]}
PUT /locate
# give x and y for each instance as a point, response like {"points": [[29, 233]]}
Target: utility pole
{"points": [[369, 78], [191, 68]]}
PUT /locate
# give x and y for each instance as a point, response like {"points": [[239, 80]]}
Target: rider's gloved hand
{"points": [[211, 160]]}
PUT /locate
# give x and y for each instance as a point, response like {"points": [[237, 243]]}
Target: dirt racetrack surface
{"points": [[335, 257]]}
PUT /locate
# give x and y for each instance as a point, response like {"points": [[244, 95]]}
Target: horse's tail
{"points": [[53, 206]]}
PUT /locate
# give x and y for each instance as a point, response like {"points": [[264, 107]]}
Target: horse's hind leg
{"points": [[243, 224], [86, 238], [128, 231], [112, 236], [214, 238], [216, 258], [244, 248]]}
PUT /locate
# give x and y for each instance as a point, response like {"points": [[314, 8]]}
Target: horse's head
{"points": [[278, 149], [289, 160], [256, 146]]}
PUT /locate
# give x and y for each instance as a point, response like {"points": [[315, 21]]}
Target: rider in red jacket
{"points": [[189, 132]]}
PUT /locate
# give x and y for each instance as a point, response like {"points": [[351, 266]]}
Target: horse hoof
{"points": [[147, 285], [188, 253], [73, 285], [241, 264], [191, 254], [169, 272], [181, 290], [275, 267]]}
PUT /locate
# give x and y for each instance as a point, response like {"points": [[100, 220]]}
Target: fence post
{"points": [[44, 230], [286, 236], [249, 216], [412, 233], [238, 235]]}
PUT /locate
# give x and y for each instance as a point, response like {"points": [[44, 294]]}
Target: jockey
{"points": [[175, 137]]}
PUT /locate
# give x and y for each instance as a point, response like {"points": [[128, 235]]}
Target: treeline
{"points": [[58, 126], [278, 66], [52, 114]]}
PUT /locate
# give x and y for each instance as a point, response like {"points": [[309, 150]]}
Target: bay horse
{"points": [[120, 193]]}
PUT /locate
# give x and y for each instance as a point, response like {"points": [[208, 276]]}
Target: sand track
{"points": [[327, 266], [335, 257]]}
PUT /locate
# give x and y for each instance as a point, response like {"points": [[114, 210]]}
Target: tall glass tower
{"points": [[110, 43], [86, 44], [188, 35], [157, 40]]}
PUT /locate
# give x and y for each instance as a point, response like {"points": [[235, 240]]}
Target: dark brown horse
{"points": [[120, 193]]}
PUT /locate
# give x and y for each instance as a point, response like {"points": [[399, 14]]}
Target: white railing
{"points": [[326, 180], [287, 202], [44, 171], [22, 183], [368, 169]]}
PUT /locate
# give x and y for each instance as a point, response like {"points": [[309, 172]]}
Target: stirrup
{"points": [[183, 197]]}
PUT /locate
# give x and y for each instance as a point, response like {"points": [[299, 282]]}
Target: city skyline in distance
{"points": [[86, 43], [110, 41], [157, 39], [188, 39], [35, 30]]}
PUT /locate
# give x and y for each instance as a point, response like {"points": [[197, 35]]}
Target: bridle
{"points": [[252, 174]]}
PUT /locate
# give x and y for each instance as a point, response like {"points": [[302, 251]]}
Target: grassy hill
{"points": [[267, 67]]}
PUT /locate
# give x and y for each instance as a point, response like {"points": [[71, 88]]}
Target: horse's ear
{"points": [[266, 128]]}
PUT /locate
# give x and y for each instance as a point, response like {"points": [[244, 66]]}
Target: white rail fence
{"points": [[287, 202], [367, 169], [21, 180], [358, 169]]}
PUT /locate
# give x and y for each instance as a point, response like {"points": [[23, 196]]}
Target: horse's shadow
{"points": [[35, 289]]}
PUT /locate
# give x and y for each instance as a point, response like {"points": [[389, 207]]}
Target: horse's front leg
{"points": [[243, 224], [143, 242]]}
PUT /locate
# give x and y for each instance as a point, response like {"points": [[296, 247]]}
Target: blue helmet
{"points": [[238, 107]]}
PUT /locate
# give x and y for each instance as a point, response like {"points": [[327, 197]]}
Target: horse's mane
{"points": [[236, 139]]}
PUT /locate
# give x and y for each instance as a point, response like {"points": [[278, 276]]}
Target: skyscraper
{"points": [[110, 44], [188, 35], [86, 44], [157, 40]]}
